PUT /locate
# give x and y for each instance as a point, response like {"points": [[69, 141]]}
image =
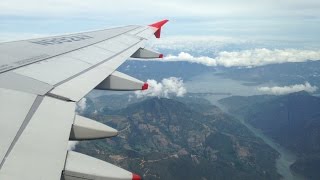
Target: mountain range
{"points": [[182, 138], [292, 120]]}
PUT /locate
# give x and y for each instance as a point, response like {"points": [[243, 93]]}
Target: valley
{"points": [[204, 89], [290, 121], [175, 139]]}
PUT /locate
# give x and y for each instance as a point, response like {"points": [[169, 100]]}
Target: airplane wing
{"points": [[41, 80]]}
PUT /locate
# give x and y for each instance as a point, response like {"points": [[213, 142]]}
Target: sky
{"points": [[268, 19], [209, 32]]}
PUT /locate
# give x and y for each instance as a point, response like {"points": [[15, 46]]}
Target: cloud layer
{"points": [[277, 90], [204, 8], [167, 87], [249, 58], [249, 18]]}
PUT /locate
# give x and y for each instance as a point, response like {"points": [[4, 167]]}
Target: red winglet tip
{"points": [[159, 24], [145, 86], [161, 56], [136, 177]]}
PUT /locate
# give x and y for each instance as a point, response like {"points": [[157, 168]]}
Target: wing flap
{"points": [[14, 107], [11, 80], [44, 141], [54, 70]]}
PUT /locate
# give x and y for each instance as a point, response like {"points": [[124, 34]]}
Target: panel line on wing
{"points": [[88, 69], [105, 49], [141, 31], [27, 119], [78, 59]]}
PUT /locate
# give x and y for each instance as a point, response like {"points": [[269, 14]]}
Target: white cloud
{"points": [[72, 145], [189, 58], [259, 57], [249, 58], [167, 87], [81, 105], [277, 90]]}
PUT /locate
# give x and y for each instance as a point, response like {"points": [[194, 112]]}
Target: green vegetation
{"points": [[291, 120], [185, 138]]}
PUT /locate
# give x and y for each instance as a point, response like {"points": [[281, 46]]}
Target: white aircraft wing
{"points": [[41, 80]]}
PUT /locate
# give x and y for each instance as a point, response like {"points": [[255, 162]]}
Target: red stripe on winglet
{"points": [[145, 86], [159, 24], [161, 56], [136, 177]]}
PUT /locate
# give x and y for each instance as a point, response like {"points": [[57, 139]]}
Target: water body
{"points": [[286, 157], [222, 88]]}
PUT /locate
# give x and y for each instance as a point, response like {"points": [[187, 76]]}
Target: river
{"points": [[286, 157], [211, 83]]}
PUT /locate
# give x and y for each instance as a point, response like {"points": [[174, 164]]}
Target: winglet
{"points": [[158, 26]]}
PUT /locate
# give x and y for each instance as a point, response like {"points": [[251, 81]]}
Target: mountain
{"points": [[181, 139], [291, 120]]}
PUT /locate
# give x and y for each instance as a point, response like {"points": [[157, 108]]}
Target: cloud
{"points": [[200, 44], [277, 90], [189, 58], [72, 145], [249, 58], [81, 105], [167, 87], [293, 18], [203, 8]]}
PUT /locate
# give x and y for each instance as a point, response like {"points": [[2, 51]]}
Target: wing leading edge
{"points": [[41, 80]]}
